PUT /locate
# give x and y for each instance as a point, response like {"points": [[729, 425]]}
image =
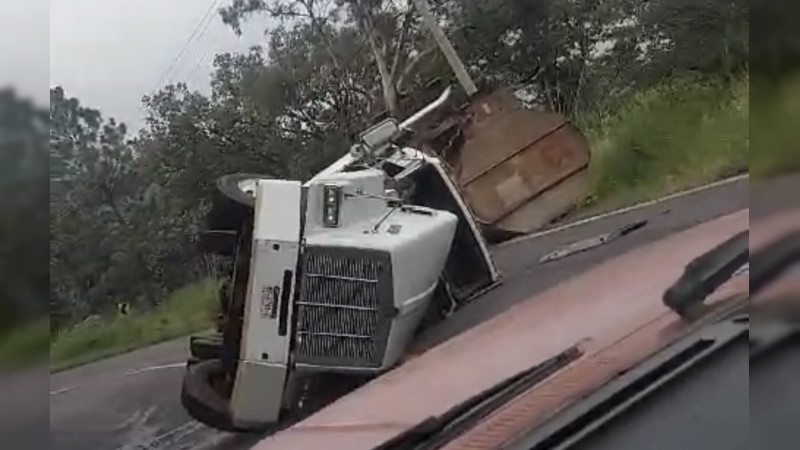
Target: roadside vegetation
{"points": [[774, 123], [670, 137], [25, 345], [188, 310]]}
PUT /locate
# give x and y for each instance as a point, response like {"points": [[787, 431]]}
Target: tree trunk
{"points": [[381, 54], [387, 78], [390, 96]]}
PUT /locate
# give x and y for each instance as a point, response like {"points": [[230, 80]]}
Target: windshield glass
{"points": [[302, 224]]}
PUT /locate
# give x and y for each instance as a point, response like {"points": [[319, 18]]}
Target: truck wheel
{"points": [[233, 201], [205, 348], [240, 187], [200, 398]]}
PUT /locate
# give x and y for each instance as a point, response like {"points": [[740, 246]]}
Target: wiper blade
{"points": [[772, 261], [435, 431], [709, 271], [706, 273]]}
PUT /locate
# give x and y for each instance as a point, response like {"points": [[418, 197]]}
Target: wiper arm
{"points": [[709, 271], [437, 430], [706, 273], [768, 264]]}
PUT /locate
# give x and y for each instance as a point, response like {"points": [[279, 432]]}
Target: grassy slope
{"points": [[188, 310], [669, 138], [25, 345], [775, 121]]}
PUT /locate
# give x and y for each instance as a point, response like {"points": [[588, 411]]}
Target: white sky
{"points": [[109, 53], [24, 47]]}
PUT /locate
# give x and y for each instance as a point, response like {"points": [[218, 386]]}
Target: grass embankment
{"points": [[186, 311], [25, 345], [775, 124], [669, 138]]}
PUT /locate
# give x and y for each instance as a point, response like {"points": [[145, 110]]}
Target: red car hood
{"points": [[614, 312]]}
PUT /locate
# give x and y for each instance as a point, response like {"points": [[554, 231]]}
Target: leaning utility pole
{"points": [[447, 48]]}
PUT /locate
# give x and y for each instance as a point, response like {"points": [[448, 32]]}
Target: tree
{"points": [[88, 198], [777, 42], [705, 36], [114, 232], [386, 28], [23, 128]]}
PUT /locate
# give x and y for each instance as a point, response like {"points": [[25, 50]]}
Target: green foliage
{"points": [[114, 231], [23, 129], [775, 115], [376, 33], [671, 137], [708, 36], [187, 310], [777, 46], [24, 345]]}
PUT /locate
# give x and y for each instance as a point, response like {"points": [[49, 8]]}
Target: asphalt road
{"points": [[131, 401]]}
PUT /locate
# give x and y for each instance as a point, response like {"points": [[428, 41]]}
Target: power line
{"points": [[197, 65], [199, 31], [200, 60], [194, 44]]}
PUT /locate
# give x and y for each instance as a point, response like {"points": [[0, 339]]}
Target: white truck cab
{"points": [[340, 272]]}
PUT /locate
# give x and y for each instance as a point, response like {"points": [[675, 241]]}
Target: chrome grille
{"points": [[344, 307]]}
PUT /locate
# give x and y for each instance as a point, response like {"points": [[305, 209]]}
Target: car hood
{"points": [[599, 310]]}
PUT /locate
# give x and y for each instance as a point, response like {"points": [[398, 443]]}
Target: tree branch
{"points": [[412, 64], [111, 201], [317, 24], [398, 46], [379, 49]]}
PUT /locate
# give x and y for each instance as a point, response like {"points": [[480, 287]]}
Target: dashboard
{"points": [[722, 389]]}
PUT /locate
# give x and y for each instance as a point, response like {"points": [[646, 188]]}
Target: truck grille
{"points": [[344, 308]]}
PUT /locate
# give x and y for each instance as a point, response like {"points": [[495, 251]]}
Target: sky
{"points": [[24, 47], [109, 53]]}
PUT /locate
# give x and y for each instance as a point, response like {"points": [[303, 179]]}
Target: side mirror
{"points": [[379, 135]]}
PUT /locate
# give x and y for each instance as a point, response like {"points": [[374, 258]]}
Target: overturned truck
{"points": [[330, 278]]}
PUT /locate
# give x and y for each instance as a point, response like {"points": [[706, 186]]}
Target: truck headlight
{"points": [[331, 205]]}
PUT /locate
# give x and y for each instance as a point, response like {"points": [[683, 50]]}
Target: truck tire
{"points": [[233, 201], [205, 348], [202, 401], [208, 406]]}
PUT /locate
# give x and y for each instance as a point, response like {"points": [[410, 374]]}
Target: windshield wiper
{"points": [[706, 273], [709, 271], [435, 431], [772, 261]]}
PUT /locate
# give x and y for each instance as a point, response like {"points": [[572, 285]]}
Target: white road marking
{"points": [[617, 212], [61, 391], [154, 368], [125, 374]]}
